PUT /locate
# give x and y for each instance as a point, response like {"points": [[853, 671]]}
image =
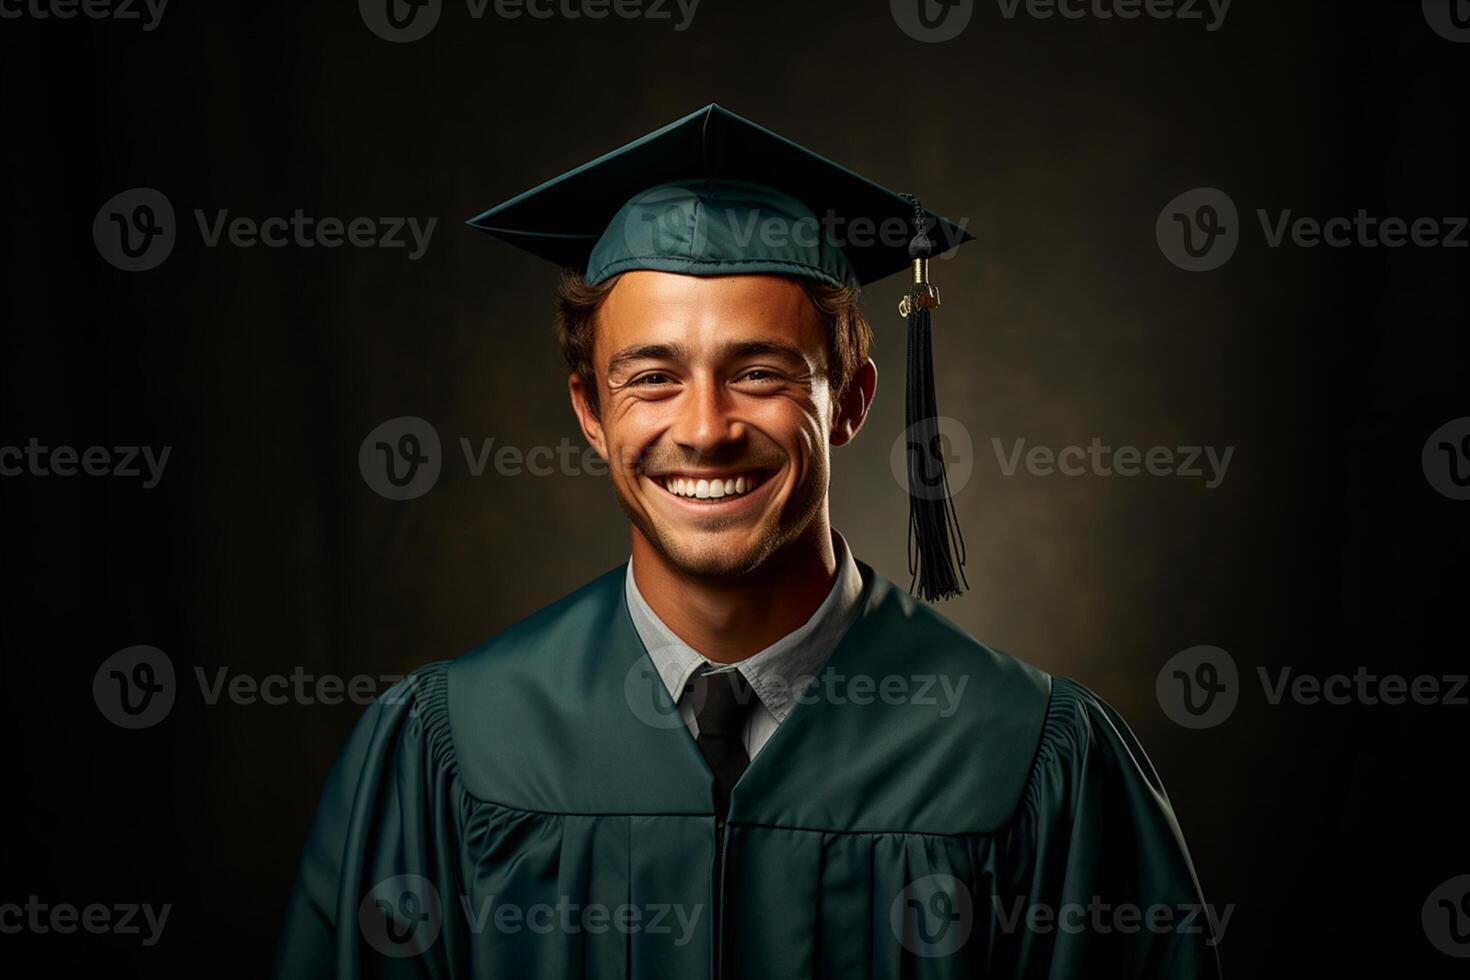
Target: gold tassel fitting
{"points": [[924, 293]]}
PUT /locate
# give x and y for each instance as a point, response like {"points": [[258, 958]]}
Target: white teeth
{"points": [[709, 489]]}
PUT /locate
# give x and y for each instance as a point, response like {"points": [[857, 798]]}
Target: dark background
{"points": [[263, 550]]}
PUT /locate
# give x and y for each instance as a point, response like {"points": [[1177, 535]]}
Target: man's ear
{"points": [[586, 418], [852, 410]]}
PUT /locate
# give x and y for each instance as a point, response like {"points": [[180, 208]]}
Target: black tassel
{"points": [[935, 541]]}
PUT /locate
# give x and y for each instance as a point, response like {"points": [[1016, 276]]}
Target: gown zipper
{"points": [[716, 910]]}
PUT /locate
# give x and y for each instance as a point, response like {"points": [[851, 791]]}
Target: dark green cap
{"points": [[715, 194]]}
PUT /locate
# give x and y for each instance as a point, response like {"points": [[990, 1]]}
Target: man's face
{"points": [[716, 415]]}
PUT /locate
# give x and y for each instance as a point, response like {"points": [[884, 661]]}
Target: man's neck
{"points": [[731, 619]]}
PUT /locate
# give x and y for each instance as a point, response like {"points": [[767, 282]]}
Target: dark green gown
{"points": [[536, 809]]}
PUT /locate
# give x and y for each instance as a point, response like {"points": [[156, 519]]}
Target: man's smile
{"points": [[721, 492]]}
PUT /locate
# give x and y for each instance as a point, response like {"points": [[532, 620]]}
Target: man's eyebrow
{"points": [[645, 352], [731, 349], [754, 348]]}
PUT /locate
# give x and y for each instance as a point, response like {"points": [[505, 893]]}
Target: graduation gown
{"points": [[537, 809]]}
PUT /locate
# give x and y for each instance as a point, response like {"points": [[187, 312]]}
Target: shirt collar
{"points": [[778, 673]]}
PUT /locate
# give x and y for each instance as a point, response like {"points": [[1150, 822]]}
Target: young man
{"points": [[744, 753]]}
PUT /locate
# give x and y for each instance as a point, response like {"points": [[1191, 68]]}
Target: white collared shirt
{"points": [[776, 674]]}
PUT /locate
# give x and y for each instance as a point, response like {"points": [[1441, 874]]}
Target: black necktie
{"points": [[723, 701]]}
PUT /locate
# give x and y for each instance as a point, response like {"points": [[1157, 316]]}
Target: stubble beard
{"points": [[775, 534]]}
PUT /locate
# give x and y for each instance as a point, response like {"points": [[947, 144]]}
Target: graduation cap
{"points": [[714, 194]]}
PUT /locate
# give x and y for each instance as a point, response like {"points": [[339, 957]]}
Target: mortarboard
{"points": [[715, 194]]}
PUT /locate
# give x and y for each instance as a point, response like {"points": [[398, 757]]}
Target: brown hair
{"points": [[849, 336]]}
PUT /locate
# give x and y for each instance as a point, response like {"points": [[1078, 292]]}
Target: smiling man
{"points": [[729, 757]]}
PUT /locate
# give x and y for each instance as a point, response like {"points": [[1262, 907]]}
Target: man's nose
{"points": [[705, 421]]}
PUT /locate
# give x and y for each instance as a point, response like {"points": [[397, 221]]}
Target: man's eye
{"points": [[651, 378], [759, 374]]}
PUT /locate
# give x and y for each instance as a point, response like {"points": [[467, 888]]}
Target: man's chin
{"points": [[711, 554]]}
